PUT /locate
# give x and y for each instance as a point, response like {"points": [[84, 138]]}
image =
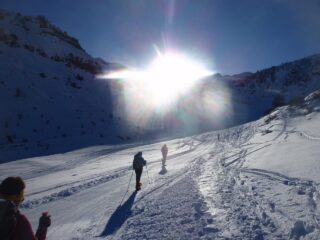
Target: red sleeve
{"points": [[24, 231]]}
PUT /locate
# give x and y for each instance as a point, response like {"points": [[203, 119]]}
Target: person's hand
{"points": [[44, 220]]}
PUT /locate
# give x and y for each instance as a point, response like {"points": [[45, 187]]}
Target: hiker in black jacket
{"points": [[138, 163]]}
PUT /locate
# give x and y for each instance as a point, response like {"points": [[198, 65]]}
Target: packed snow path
{"points": [[256, 181]]}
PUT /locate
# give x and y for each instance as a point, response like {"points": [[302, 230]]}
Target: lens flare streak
{"points": [[168, 77], [168, 93]]}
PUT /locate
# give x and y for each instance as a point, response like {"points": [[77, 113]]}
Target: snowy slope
{"points": [[276, 86], [259, 180], [268, 179], [50, 99]]}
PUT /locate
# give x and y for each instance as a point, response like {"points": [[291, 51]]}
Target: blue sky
{"points": [[228, 36]]}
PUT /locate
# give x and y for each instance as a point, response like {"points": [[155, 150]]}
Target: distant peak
{"points": [[17, 20]]}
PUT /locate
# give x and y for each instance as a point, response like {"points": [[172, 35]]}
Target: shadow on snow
{"points": [[119, 216], [163, 170]]}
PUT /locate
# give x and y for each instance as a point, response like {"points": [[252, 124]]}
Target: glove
{"points": [[44, 221]]}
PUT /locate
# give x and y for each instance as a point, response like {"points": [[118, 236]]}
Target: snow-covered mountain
{"points": [[276, 86], [255, 181], [49, 94], [222, 101], [51, 100]]}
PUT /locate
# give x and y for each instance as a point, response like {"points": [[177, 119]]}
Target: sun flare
{"points": [[171, 75], [168, 76]]}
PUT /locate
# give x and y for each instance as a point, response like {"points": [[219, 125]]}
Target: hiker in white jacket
{"points": [[164, 151]]}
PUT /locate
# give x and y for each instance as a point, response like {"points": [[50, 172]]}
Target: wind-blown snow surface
{"points": [[255, 181]]}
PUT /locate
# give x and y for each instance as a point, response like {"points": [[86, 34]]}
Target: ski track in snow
{"points": [[178, 211], [308, 136], [82, 185], [256, 203], [73, 189]]}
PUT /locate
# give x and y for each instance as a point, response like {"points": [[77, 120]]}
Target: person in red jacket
{"points": [[14, 223]]}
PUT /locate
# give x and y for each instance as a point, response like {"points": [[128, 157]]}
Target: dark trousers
{"points": [[164, 156], [138, 174]]}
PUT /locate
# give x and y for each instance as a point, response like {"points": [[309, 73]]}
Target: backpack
{"points": [[8, 219], [138, 162]]}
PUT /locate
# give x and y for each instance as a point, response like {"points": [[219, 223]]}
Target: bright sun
{"points": [[168, 76], [171, 75]]}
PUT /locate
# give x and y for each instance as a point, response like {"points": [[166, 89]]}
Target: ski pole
{"points": [[148, 174], [127, 188]]}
